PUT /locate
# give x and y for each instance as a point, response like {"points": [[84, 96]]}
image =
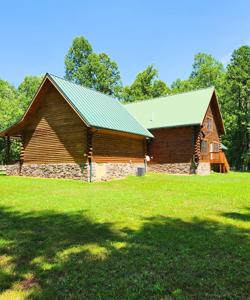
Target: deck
{"points": [[217, 159]]}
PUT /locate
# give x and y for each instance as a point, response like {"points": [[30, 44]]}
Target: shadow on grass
{"points": [[165, 259], [238, 216]]}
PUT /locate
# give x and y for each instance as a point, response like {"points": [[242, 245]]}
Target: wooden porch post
{"points": [[7, 149], [22, 151]]}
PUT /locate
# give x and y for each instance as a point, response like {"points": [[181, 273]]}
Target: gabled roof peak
{"points": [[96, 109], [78, 84]]}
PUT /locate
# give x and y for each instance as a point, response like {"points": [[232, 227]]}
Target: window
{"points": [[209, 124], [216, 147], [204, 146]]}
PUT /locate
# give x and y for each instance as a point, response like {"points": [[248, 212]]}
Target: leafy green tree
{"points": [[90, 69], [27, 90], [145, 86], [9, 105], [180, 86], [76, 61], [103, 73], [10, 112], [237, 108], [207, 71]]}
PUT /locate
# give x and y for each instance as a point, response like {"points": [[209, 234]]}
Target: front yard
{"points": [[157, 237]]}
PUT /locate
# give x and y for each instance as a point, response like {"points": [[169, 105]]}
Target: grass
{"points": [[157, 237]]}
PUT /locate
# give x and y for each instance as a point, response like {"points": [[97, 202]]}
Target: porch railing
{"points": [[216, 158]]}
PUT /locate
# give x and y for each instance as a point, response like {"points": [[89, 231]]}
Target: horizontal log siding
{"points": [[117, 148], [54, 134], [172, 145], [210, 136]]}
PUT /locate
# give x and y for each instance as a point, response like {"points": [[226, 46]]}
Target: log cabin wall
{"points": [[210, 132], [172, 145], [114, 147], [54, 133]]}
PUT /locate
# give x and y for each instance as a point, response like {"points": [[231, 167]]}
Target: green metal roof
{"points": [[175, 110], [97, 109], [223, 147]]}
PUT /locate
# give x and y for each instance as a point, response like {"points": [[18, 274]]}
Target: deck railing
{"points": [[216, 158]]}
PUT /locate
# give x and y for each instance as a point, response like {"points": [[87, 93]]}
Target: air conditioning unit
{"points": [[140, 171]]}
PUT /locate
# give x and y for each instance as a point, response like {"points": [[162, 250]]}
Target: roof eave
{"points": [[175, 126], [149, 135], [5, 131]]}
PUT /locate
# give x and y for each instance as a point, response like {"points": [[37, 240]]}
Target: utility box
{"points": [[140, 171]]}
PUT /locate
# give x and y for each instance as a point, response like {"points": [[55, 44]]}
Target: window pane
{"points": [[209, 124], [216, 147], [204, 146]]}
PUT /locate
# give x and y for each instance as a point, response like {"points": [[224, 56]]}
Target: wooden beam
{"points": [[7, 149]]}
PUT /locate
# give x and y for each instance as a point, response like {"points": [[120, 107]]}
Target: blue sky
{"points": [[35, 35]]}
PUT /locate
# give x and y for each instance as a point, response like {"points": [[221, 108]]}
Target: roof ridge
{"points": [[170, 95], [83, 86]]}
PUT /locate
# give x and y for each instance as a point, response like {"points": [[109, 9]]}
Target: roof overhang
{"points": [[175, 126], [17, 127]]}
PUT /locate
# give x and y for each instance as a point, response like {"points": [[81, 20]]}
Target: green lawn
{"points": [[157, 237]]}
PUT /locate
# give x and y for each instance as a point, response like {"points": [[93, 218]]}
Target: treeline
{"points": [[100, 72]]}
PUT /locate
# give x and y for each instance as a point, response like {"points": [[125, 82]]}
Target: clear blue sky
{"points": [[35, 35]]}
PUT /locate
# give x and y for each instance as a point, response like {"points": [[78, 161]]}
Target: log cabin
{"points": [[70, 131], [187, 131]]}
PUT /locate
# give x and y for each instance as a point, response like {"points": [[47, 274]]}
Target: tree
{"points": [[76, 60], [90, 69], [145, 86], [207, 71], [27, 90], [9, 105], [237, 107], [180, 86], [103, 73], [10, 112]]}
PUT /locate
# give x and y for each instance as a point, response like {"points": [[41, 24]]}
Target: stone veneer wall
{"points": [[203, 168], [13, 170], [174, 168], [105, 171], [69, 170], [108, 171]]}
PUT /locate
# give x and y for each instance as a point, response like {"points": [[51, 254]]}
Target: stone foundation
{"points": [[13, 170], [105, 171], [203, 168], [72, 171], [175, 168], [108, 171]]}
